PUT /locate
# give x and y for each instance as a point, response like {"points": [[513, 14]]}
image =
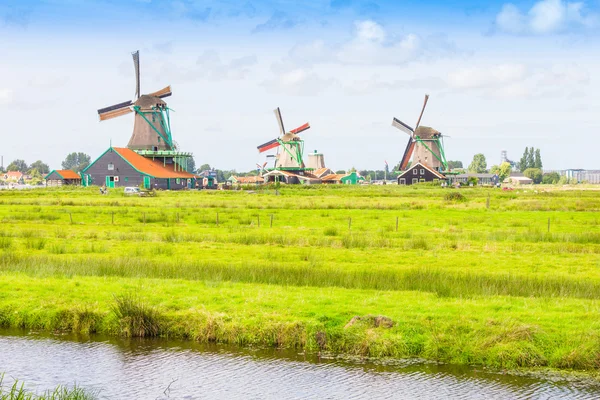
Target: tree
{"points": [[505, 170], [191, 165], [551, 178], [18, 165], [76, 161], [523, 161], [535, 174], [341, 171], [495, 169], [204, 167], [538, 159], [42, 167], [36, 177], [530, 159], [454, 164], [478, 165]]}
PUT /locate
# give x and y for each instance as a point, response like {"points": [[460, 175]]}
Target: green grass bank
{"points": [[501, 279]]}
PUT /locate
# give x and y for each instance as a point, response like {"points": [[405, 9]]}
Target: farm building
{"points": [[246, 180], [482, 179], [60, 177], [352, 178], [321, 172], [519, 180], [208, 179], [420, 173], [291, 177], [119, 167], [14, 176]]}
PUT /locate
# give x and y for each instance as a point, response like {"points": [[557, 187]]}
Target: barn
{"points": [[60, 177], [120, 167], [419, 173]]}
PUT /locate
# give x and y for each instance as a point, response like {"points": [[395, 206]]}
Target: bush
{"points": [[455, 197], [535, 174], [551, 178]]}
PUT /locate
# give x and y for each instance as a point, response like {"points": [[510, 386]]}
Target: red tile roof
{"points": [[14, 174], [68, 174], [150, 167]]}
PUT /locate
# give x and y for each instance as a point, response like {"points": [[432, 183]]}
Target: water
{"points": [[158, 369]]}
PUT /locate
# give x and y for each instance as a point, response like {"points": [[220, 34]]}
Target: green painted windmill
{"points": [[151, 135]]}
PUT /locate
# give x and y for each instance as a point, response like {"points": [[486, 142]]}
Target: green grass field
{"points": [[515, 284]]}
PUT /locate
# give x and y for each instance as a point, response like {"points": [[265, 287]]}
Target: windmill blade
{"points": [[115, 111], [301, 128], [402, 126], [410, 147], [136, 66], [279, 121], [271, 144], [164, 92], [422, 111]]}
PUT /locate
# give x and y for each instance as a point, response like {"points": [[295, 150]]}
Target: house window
{"points": [[126, 179], [178, 181], [414, 171], [415, 180], [111, 166], [402, 181], [422, 180], [422, 171]]}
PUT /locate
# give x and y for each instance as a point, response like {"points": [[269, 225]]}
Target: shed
{"points": [[60, 177], [519, 180]]}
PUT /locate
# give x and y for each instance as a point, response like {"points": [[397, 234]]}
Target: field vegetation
{"points": [[504, 279]]}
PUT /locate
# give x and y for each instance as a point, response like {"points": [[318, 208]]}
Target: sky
{"points": [[500, 75]]}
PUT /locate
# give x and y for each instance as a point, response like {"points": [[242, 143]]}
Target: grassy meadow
{"points": [[504, 279]]}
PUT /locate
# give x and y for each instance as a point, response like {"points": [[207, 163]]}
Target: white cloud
{"points": [[486, 77], [369, 31], [297, 81], [544, 17], [521, 81], [6, 96]]}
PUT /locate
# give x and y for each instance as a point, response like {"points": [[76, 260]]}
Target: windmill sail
{"points": [[268, 146], [136, 66], [301, 128], [402, 126], [277, 112]]}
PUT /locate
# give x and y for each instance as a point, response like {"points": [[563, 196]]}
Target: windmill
{"points": [[425, 144], [292, 146], [152, 126]]}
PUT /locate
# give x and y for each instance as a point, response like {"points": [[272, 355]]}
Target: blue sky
{"points": [[503, 75]]}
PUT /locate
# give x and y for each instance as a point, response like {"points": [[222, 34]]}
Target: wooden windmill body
{"points": [[425, 145], [289, 145], [152, 126]]}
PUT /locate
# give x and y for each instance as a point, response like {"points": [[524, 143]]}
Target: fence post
{"points": [[258, 218], [144, 218], [487, 203], [349, 223], [271, 221], [71, 218], [113, 217], [396, 224], [548, 225], [217, 219], [177, 217]]}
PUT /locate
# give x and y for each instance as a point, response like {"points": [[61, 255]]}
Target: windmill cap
{"points": [[147, 102], [425, 132]]}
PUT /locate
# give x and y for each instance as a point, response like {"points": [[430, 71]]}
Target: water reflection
{"points": [[159, 369]]}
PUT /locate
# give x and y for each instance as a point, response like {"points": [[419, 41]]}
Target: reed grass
{"points": [[17, 391]]}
